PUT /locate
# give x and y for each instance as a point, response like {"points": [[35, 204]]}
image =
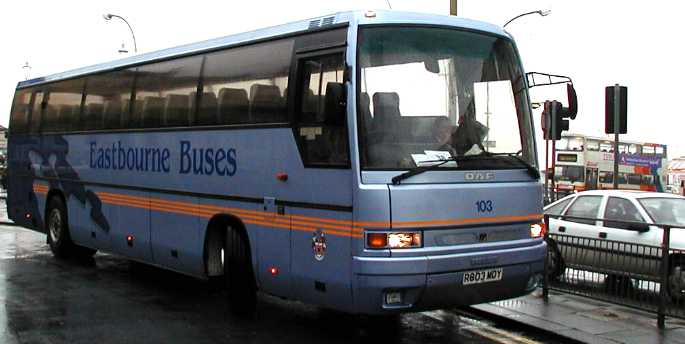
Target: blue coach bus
{"points": [[370, 162]]}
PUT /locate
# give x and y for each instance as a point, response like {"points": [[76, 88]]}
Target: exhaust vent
{"points": [[327, 21], [316, 23]]}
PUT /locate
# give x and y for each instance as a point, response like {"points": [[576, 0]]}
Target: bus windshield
{"points": [[428, 94], [569, 173]]}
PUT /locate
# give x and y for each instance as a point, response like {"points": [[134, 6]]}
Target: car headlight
{"points": [[537, 230], [378, 240]]}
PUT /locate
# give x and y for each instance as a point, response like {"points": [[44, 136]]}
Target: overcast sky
{"points": [[597, 43]]}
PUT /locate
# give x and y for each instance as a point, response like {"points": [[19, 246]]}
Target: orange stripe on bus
{"points": [[260, 215], [294, 222]]}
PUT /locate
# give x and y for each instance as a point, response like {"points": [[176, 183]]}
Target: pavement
{"points": [[586, 320]]}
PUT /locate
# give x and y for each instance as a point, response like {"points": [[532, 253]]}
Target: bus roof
{"points": [[610, 138], [318, 23]]}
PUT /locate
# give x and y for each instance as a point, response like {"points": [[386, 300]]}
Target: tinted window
{"points": [[38, 103], [620, 209], [634, 179], [64, 105], [20, 111], [108, 99], [647, 179], [665, 210], [164, 93], [246, 85], [606, 177], [584, 206], [558, 208], [321, 129]]}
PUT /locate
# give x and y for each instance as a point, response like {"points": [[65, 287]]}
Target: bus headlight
{"points": [[393, 240], [537, 230]]}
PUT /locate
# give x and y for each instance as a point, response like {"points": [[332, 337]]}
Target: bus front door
{"points": [[591, 178]]}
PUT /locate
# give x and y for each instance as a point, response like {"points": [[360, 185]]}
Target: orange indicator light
{"points": [[376, 240]]}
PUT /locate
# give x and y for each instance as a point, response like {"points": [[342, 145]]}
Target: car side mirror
{"points": [[335, 104], [639, 227]]}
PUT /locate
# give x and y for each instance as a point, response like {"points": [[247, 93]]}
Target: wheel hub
{"points": [[55, 225], [677, 282]]}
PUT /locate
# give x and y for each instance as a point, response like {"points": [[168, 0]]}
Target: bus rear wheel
{"points": [[57, 229], [240, 281]]}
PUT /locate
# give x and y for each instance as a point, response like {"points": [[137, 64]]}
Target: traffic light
{"points": [[561, 124], [547, 121], [554, 116], [610, 100]]}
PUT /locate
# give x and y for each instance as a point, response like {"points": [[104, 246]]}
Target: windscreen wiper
{"points": [[532, 171], [420, 169]]}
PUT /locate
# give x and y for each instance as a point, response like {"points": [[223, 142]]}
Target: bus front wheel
{"points": [[57, 229], [240, 281]]}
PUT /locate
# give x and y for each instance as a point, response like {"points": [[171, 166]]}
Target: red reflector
{"points": [[377, 240], [129, 238], [273, 270], [28, 215], [282, 176]]}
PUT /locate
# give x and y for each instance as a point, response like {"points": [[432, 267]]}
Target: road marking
{"points": [[482, 329]]}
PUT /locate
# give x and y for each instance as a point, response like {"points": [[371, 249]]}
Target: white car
{"points": [[613, 248]]}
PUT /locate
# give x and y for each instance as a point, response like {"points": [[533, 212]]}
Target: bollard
{"points": [[663, 295]]}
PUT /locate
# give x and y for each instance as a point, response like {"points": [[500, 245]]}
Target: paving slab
{"points": [[585, 320]]}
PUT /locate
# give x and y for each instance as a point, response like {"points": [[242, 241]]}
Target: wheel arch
{"points": [[215, 237]]}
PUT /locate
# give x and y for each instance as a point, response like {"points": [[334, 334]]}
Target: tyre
{"points": [[240, 281], [57, 229], [676, 280], [619, 285], [555, 263]]}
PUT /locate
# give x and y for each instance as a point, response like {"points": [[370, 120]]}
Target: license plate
{"points": [[482, 276]]}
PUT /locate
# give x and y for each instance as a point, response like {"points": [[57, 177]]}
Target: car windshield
{"points": [[431, 93], [665, 210]]}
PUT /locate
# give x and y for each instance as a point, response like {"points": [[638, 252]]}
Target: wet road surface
{"points": [[111, 300]]}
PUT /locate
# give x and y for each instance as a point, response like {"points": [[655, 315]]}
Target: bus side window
{"points": [[39, 102], [606, 177], [321, 132], [65, 98], [20, 112], [165, 89], [107, 100], [246, 85]]}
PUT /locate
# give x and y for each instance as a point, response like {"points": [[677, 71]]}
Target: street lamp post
{"points": [[27, 70], [540, 12], [109, 16]]}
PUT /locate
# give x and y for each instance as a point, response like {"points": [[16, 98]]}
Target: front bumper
{"points": [[435, 281]]}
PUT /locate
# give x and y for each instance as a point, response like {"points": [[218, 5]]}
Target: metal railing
{"points": [[639, 275]]}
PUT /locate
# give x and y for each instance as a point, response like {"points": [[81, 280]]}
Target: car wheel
{"points": [[240, 281], [619, 285], [555, 263], [676, 282]]}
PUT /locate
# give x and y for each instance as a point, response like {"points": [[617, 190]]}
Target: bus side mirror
{"points": [[572, 109], [335, 104]]}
